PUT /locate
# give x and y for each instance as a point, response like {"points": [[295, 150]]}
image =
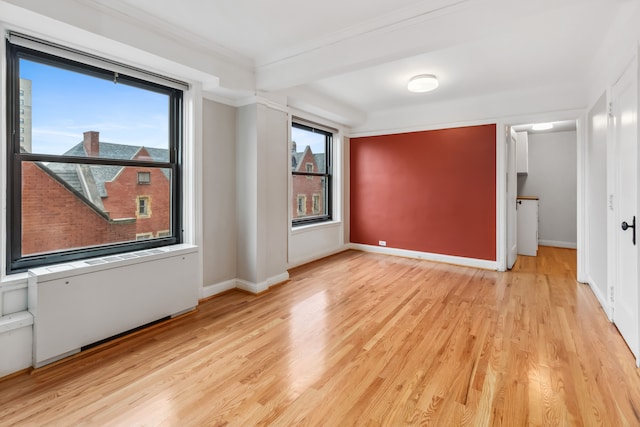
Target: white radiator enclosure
{"points": [[80, 303]]}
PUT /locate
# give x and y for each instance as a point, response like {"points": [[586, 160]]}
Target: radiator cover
{"points": [[80, 303]]}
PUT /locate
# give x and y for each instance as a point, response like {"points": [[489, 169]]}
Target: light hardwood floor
{"points": [[360, 339]]}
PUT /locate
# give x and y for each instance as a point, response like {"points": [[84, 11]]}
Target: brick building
{"points": [[73, 205], [307, 191]]}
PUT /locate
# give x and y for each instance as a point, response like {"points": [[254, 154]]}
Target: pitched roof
{"points": [[89, 180], [296, 158]]}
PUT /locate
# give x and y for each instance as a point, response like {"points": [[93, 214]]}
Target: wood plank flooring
{"points": [[359, 339]]}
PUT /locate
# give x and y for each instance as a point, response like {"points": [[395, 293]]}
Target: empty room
{"points": [[419, 212]]}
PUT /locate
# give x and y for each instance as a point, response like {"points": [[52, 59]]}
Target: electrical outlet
{"points": [[382, 242]]}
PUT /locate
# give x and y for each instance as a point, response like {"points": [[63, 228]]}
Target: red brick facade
{"points": [[306, 187], [124, 192], [54, 218]]}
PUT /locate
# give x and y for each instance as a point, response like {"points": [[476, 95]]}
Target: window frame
{"points": [[327, 174], [15, 262], [142, 181]]}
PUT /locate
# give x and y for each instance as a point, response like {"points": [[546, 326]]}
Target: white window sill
{"points": [[313, 227]]}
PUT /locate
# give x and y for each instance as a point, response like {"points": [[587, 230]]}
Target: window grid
{"points": [[19, 159], [317, 187]]}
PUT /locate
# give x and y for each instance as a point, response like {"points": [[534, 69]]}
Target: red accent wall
{"points": [[431, 191]]}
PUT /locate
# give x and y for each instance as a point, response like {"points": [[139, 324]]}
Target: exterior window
{"points": [[144, 177], [70, 194], [302, 205], [311, 174], [144, 208]]}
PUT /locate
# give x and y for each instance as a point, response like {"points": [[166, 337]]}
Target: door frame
{"points": [[580, 117]]}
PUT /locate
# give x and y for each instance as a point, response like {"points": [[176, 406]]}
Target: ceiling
{"points": [[361, 53]]}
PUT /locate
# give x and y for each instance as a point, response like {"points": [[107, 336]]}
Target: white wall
{"points": [[262, 175], [553, 178], [596, 197], [219, 195]]}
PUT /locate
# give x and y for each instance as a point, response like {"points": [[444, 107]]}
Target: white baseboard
{"points": [[449, 259], [602, 299], [558, 244], [218, 288], [299, 262], [254, 288]]}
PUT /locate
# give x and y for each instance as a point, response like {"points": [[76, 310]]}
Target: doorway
{"points": [[546, 172]]}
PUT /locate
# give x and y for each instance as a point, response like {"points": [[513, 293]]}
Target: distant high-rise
{"points": [[25, 114]]}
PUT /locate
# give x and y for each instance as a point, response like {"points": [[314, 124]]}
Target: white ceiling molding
{"points": [[414, 14], [92, 30], [304, 99], [125, 11]]}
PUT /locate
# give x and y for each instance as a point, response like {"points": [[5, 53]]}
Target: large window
{"points": [[310, 174], [89, 148]]}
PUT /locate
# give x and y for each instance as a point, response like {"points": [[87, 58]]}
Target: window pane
{"points": [[70, 206], [75, 114], [309, 196], [308, 148]]}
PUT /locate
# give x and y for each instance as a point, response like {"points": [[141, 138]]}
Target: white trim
{"points": [[448, 259], [560, 244], [14, 321], [582, 214], [422, 128], [501, 198], [301, 229], [504, 120], [315, 257], [218, 288], [601, 298], [256, 288]]}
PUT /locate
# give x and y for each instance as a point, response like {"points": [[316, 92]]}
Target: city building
{"points": [[25, 115], [69, 206]]}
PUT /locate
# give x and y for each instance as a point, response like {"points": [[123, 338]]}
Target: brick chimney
{"points": [[92, 143]]}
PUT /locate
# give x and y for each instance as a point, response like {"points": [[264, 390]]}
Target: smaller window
{"points": [[22, 139], [21, 92], [144, 236], [302, 204], [21, 130], [316, 204], [144, 177], [309, 167], [22, 102], [165, 233], [21, 120], [22, 111], [144, 208]]}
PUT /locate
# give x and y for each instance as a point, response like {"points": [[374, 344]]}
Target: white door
{"points": [[512, 194], [625, 129]]}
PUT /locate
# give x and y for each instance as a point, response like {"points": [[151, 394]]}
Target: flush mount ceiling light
{"points": [[542, 126], [423, 83]]}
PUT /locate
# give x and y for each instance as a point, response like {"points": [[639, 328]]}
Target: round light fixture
{"points": [[542, 126], [423, 83]]}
